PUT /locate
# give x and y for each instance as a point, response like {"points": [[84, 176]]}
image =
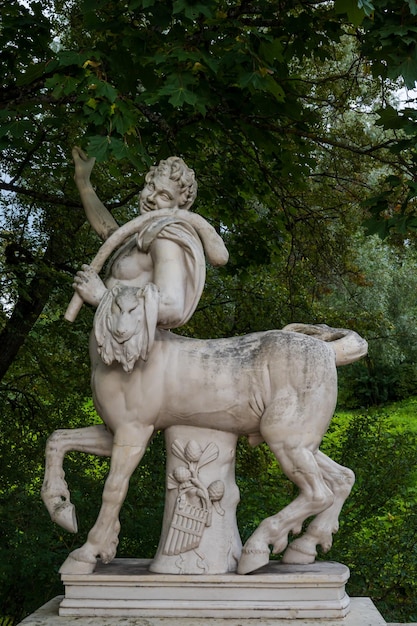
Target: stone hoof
{"points": [[64, 515], [74, 566], [252, 559], [299, 554]]}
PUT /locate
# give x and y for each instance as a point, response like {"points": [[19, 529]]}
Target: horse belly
{"points": [[213, 393]]}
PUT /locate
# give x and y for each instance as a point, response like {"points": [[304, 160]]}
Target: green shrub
{"points": [[378, 524]]}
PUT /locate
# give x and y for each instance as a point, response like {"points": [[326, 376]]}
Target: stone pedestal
{"points": [[199, 531], [126, 588], [362, 613]]}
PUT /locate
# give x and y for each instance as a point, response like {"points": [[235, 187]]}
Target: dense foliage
{"points": [[289, 113], [377, 526], [286, 111], [376, 539]]}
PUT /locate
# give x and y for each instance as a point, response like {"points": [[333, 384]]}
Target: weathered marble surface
{"points": [[126, 587], [279, 386], [362, 613], [200, 504]]}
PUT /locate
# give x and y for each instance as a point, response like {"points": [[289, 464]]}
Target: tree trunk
{"points": [[33, 298]]}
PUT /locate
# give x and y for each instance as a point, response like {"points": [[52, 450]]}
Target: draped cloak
{"points": [[186, 237]]}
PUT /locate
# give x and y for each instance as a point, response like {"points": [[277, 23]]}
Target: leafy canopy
{"points": [[286, 110]]}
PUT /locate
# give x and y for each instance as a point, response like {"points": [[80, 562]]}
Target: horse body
{"points": [[225, 384], [279, 386]]}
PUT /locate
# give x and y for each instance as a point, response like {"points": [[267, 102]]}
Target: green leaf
{"points": [[16, 129], [183, 96], [351, 9], [393, 181], [69, 57], [191, 10], [274, 88], [34, 71], [389, 117], [99, 147], [262, 82], [118, 148], [124, 119], [367, 6], [413, 190], [408, 69], [176, 87], [271, 50], [212, 63], [107, 91], [377, 226], [62, 85]]}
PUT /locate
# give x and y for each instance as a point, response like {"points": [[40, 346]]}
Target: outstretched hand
{"points": [[83, 164]]}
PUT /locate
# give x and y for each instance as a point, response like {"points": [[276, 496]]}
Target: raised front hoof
{"points": [[252, 559], [64, 515], [74, 566], [299, 555]]}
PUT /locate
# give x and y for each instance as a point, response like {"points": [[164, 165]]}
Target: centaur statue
{"points": [[278, 386]]}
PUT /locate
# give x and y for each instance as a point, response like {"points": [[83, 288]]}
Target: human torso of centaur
{"points": [[226, 384], [130, 266]]}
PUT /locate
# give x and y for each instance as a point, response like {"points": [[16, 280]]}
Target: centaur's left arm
{"points": [[179, 249], [170, 276]]}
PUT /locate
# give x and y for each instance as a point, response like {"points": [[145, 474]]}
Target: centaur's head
{"points": [[125, 323], [169, 185]]}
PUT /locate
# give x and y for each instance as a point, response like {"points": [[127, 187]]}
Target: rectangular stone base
{"points": [[126, 588], [362, 613]]}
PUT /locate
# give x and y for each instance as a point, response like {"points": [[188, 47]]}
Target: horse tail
{"points": [[347, 344]]}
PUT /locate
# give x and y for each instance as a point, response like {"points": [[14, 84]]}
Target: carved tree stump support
{"points": [[199, 532]]}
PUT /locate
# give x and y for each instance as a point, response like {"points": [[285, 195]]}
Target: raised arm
{"points": [[99, 217]]}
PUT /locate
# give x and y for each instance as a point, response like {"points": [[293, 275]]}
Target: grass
{"points": [[402, 414]]}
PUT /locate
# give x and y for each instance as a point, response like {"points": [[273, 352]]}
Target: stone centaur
{"points": [[279, 386]]}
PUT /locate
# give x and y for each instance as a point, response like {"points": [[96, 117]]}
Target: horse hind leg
{"points": [[55, 493], [321, 530], [296, 453]]}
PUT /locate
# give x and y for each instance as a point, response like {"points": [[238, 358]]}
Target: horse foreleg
{"points": [[55, 493], [103, 537], [320, 531]]}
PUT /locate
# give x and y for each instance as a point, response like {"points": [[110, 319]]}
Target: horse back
{"points": [[239, 377]]}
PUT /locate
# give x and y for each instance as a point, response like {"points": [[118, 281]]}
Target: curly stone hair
{"points": [[176, 170]]}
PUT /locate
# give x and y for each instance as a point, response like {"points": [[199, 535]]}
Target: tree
{"points": [[287, 111], [260, 91], [381, 306]]}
